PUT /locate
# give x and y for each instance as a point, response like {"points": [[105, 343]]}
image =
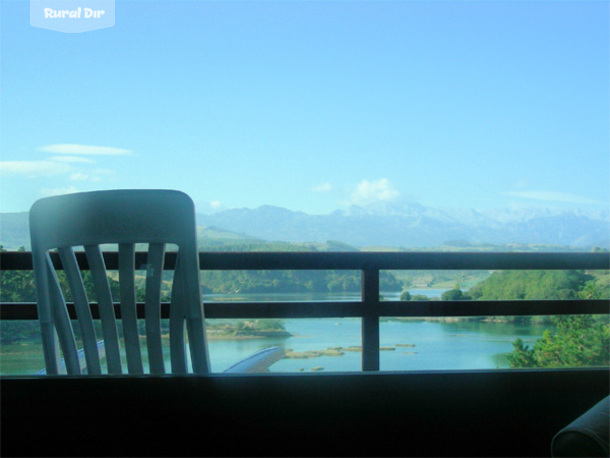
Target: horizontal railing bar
{"points": [[18, 311], [404, 261], [494, 308], [283, 310], [13, 260], [226, 310]]}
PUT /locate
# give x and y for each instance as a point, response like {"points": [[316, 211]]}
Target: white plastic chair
{"points": [[123, 217]]}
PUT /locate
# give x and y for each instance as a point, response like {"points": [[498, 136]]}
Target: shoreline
{"points": [[249, 335], [230, 337]]}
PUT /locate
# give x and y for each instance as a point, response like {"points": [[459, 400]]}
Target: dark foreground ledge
{"points": [[509, 413]]}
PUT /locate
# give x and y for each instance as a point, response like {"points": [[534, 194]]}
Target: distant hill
{"points": [[15, 233], [14, 230]]}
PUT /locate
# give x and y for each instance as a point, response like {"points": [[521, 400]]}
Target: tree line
{"points": [[574, 340]]}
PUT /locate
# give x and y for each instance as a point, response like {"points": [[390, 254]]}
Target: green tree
{"points": [[17, 286], [455, 294], [592, 290], [581, 340], [522, 355]]}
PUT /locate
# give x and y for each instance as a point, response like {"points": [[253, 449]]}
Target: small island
{"points": [[246, 329], [334, 351]]}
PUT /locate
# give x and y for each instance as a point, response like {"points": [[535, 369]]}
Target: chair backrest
{"points": [[123, 217]]}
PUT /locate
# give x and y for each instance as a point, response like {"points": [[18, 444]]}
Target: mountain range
{"points": [[413, 225], [391, 225]]}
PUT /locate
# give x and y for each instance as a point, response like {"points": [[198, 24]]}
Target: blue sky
{"points": [[314, 106]]}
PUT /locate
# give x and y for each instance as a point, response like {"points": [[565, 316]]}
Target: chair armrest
{"points": [[256, 362], [101, 348], [259, 361], [588, 435]]}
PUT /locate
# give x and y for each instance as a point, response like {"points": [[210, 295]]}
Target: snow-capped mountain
{"points": [[414, 225]]}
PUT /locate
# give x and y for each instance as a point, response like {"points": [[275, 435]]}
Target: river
{"points": [[412, 344]]}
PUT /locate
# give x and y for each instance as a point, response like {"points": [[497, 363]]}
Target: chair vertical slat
{"points": [[154, 272], [83, 312], [128, 308], [176, 322], [51, 349], [63, 325], [106, 308], [193, 310], [40, 260]]}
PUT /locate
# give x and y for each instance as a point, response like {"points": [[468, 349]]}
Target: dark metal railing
{"points": [[369, 308]]}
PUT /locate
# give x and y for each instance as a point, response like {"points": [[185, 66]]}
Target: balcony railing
{"points": [[369, 308]]}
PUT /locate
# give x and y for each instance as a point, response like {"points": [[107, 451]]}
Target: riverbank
{"points": [[212, 334], [535, 320]]}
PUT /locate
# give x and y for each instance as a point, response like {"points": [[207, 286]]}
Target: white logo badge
{"points": [[72, 16]]}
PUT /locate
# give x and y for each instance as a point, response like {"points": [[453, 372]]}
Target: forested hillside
{"points": [[574, 340], [539, 284]]}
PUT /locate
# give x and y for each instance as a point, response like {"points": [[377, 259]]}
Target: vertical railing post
{"points": [[370, 319]]}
